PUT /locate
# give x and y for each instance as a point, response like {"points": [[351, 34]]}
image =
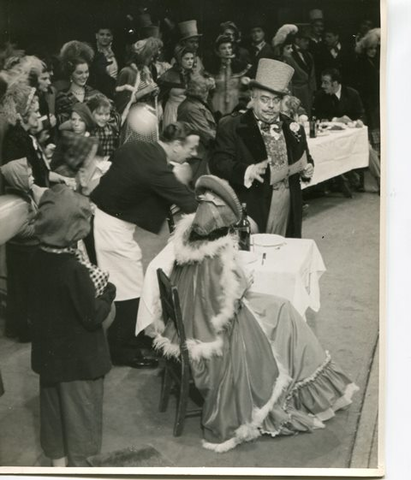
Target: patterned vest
{"points": [[277, 155]]}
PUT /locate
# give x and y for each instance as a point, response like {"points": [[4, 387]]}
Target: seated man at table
{"points": [[264, 155], [257, 364], [339, 103]]}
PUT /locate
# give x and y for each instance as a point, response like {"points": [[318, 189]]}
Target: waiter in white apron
{"points": [[138, 189]]}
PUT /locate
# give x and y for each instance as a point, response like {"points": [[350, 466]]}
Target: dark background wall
{"points": [[50, 23]]}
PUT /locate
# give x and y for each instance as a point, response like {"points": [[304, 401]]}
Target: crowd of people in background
{"points": [[88, 91], [72, 118]]}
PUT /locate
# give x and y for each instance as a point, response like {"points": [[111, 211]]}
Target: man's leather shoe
{"points": [[143, 362], [138, 361]]}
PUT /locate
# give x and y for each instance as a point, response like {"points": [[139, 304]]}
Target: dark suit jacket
{"points": [[342, 62], [18, 144], [239, 144], [303, 84], [99, 78], [266, 52], [200, 118], [140, 187], [350, 104], [198, 115]]}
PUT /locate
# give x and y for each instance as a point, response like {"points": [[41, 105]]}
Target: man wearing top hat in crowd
{"points": [[264, 154], [191, 38]]}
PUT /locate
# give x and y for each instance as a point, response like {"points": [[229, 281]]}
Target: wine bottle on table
{"points": [[313, 127], [313, 124], [243, 229]]}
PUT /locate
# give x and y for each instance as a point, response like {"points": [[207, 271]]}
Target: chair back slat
{"points": [[170, 303]]}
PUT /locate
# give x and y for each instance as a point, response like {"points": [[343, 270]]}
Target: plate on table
{"points": [[267, 240]]}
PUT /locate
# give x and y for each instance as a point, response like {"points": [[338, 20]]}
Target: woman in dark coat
{"points": [[173, 83]]}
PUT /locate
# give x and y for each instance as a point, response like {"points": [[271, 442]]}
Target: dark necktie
{"points": [[268, 127]]}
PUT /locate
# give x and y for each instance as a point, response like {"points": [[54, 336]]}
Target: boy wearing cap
{"points": [[264, 155], [68, 301]]}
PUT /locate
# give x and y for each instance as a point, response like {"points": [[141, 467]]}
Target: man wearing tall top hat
{"points": [[264, 154], [189, 37], [146, 28]]}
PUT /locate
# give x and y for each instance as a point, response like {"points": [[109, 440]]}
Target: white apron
{"points": [[119, 254]]}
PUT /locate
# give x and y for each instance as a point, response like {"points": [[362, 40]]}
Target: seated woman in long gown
{"points": [[257, 364]]}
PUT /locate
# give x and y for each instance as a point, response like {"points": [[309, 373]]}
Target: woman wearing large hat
{"points": [[255, 150], [257, 364]]}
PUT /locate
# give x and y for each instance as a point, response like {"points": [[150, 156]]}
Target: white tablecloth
{"points": [[291, 271], [337, 153]]}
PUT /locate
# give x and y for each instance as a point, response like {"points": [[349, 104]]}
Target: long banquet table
{"points": [[292, 271], [338, 152]]}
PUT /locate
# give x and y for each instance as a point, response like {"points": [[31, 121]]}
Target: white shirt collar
{"points": [[338, 93], [260, 46]]}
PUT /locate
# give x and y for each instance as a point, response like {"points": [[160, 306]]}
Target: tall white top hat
{"points": [[316, 14], [273, 76], [188, 29]]}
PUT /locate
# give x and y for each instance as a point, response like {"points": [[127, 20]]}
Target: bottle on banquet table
{"points": [[313, 126], [243, 229]]}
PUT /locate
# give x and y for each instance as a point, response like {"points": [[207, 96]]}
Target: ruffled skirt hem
{"points": [[304, 408]]}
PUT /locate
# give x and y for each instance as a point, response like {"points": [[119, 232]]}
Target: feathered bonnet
{"points": [[285, 34]]}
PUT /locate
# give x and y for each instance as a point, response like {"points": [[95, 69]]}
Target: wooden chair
{"points": [[176, 371]]}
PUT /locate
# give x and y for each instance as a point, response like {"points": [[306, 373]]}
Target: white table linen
{"points": [[291, 271], [338, 153]]}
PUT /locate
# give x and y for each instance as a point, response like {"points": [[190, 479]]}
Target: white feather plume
{"points": [[283, 32]]}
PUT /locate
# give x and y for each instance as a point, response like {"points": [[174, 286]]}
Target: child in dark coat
{"points": [[69, 300]]}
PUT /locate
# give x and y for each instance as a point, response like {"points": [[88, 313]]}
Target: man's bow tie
{"points": [[271, 127]]}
